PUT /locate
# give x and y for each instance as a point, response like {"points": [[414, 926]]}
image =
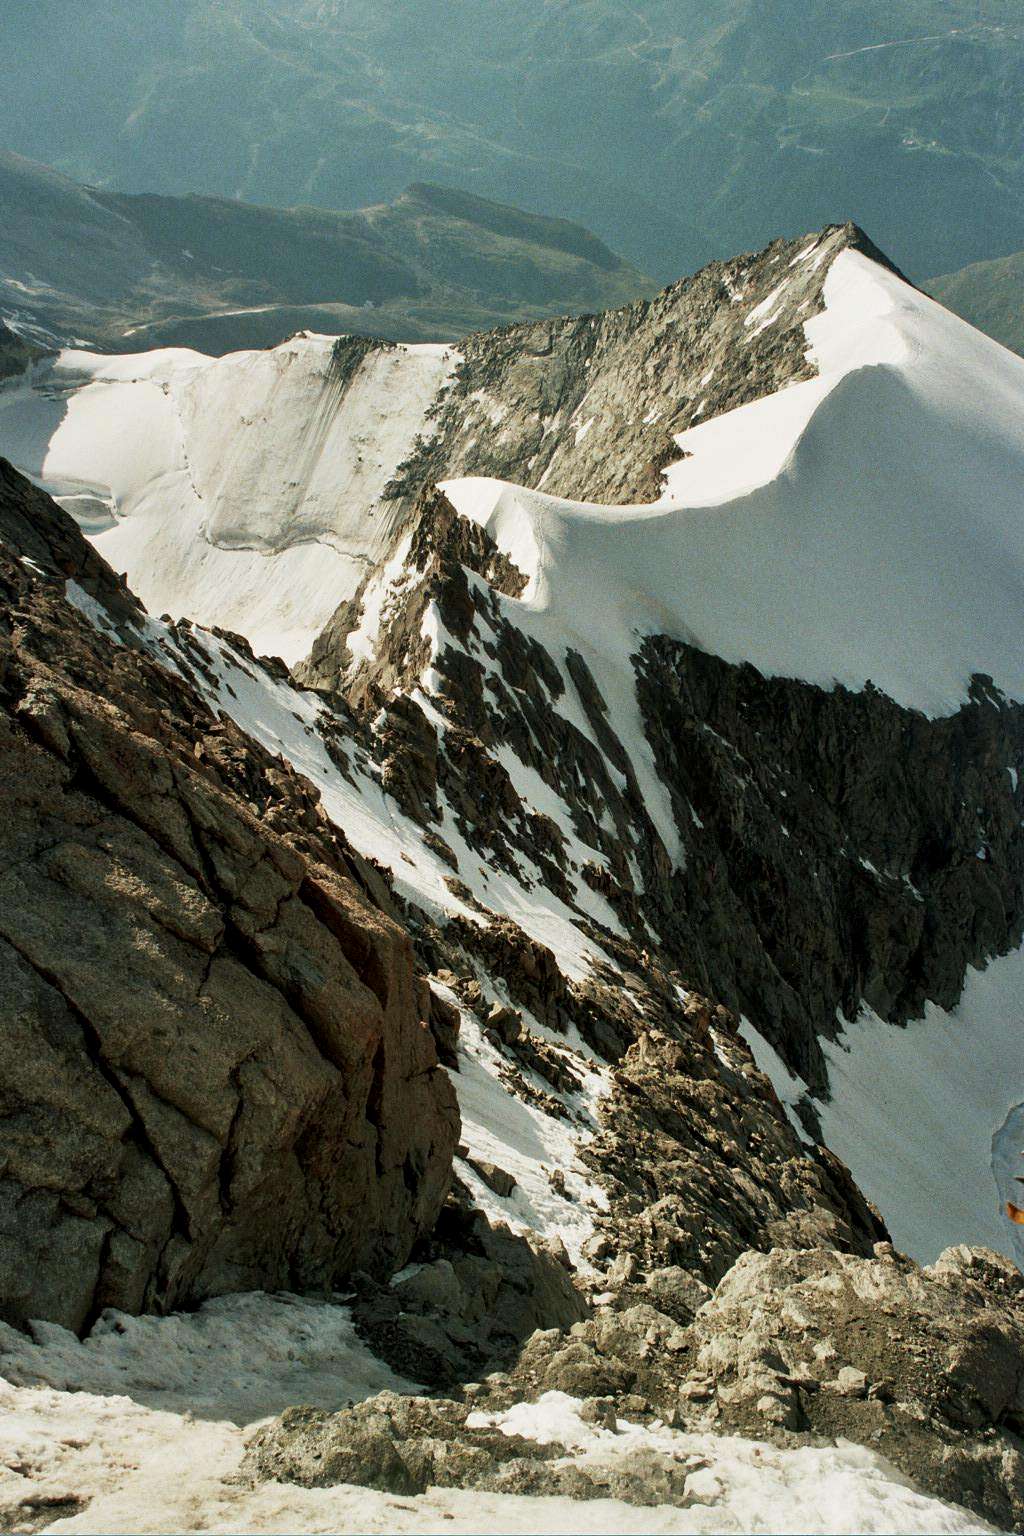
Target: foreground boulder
{"points": [[406, 1445], [216, 1071], [467, 1312], [925, 1366]]}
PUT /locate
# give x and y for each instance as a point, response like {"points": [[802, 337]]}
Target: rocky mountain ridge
{"points": [[134, 271], [589, 408], [634, 896], [320, 450]]}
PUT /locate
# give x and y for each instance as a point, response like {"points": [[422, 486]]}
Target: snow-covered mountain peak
{"points": [[817, 531], [253, 491]]}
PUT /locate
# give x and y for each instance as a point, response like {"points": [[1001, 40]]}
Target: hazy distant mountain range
{"points": [[990, 294], [132, 272], [677, 131]]}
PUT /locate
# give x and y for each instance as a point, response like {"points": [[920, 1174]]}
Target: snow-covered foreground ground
{"points": [[142, 1427]]}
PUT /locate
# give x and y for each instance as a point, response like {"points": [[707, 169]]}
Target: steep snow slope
{"points": [[240, 491], [866, 523], [929, 1117]]}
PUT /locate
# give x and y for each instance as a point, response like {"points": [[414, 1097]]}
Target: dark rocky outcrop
{"points": [[217, 1067], [701, 1163], [443, 547], [840, 848]]}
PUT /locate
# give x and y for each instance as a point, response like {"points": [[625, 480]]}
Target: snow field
{"points": [[241, 491], [929, 1118]]}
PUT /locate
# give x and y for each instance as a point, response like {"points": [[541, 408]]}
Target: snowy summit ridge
{"points": [[638, 756]]}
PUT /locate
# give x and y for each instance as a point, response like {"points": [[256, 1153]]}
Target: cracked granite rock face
{"points": [[217, 1067], [586, 407]]}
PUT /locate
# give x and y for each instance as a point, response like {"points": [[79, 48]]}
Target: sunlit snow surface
{"points": [[241, 491], [867, 523]]}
